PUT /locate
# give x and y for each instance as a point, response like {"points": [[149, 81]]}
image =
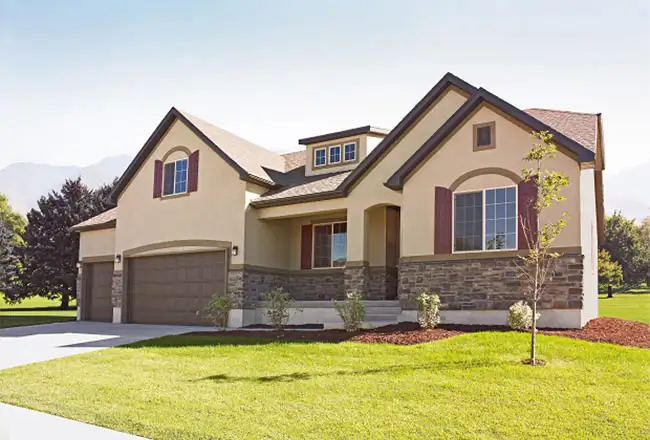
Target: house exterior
{"points": [[432, 204]]}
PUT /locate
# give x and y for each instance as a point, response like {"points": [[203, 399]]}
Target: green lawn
{"points": [[630, 306], [33, 311], [467, 387]]}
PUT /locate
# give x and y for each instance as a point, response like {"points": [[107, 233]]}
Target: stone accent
{"points": [[357, 279], [79, 290], [382, 283], [249, 284], [117, 295], [488, 284]]}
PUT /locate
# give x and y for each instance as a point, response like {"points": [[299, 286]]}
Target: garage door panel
{"points": [[170, 289]]}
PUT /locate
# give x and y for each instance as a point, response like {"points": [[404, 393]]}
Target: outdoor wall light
{"points": [[118, 258], [235, 251], [78, 264]]}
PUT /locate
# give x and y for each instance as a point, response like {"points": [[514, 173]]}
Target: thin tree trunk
{"points": [[65, 301], [533, 338]]}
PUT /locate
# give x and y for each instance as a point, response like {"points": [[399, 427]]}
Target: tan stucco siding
{"points": [[214, 212], [456, 157], [376, 236], [301, 209], [98, 243]]}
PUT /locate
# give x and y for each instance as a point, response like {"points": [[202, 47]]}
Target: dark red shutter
{"points": [[442, 219], [526, 198], [193, 172], [157, 179], [305, 247]]}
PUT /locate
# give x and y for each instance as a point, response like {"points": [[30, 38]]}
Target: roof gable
{"points": [[396, 181], [250, 161]]}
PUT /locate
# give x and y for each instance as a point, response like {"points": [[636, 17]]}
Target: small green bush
{"points": [[428, 310], [218, 310], [520, 316], [351, 311], [278, 307]]}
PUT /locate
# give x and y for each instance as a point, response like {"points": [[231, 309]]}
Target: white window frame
{"points": [[313, 247], [187, 177], [329, 162], [354, 144], [326, 158], [483, 212]]}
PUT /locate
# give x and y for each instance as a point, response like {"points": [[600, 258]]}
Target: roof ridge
{"points": [[561, 111]]}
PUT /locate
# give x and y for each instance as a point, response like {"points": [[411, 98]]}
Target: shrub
{"points": [[218, 310], [520, 316], [428, 310], [278, 307], [351, 311]]}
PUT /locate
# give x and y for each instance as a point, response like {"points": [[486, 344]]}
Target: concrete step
{"points": [[380, 303], [383, 310], [380, 317]]}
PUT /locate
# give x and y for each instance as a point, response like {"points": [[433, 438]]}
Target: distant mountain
{"points": [[25, 183]]}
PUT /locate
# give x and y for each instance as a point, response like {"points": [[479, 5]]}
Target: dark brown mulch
{"points": [[611, 330], [288, 327]]}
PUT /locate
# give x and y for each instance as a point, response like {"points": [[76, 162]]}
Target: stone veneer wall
{"points": [[382, 283], [488, 284], [117, 294]]}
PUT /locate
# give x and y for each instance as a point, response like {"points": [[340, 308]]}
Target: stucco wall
{"points": [[214, 212], [98, 243], [456, 157], [589, 242]]}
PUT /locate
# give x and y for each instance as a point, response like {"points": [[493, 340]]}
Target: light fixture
{"points": [[235, 251], [78, 264], [118, 258]]}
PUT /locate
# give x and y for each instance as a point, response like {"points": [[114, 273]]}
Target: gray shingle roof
{"points": [[307, 186], [293, 160], [105, 219], [581, 127]]}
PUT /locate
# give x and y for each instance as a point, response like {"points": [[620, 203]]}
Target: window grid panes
{"points": [[468, 221], [350, 152], [501, 218], [320, 157], [330, 245], [335, 154], [180, 185]]}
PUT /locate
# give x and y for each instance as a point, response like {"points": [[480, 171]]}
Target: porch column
{"points": [[356, 273]]}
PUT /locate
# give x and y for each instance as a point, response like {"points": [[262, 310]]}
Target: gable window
{"points": [[175, 177], [350, 152], [320, 157], [484, 136], [330, 245], [485, 220], [335, 154]]}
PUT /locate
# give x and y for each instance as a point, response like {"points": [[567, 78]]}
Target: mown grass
{"points": [[33, 311], [630, 306], [468, 387]]}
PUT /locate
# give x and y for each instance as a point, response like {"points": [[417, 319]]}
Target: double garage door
{"points": [[166, 289]]}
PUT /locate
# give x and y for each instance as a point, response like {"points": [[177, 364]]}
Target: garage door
{"points": [[97, 304], [170, 289]]}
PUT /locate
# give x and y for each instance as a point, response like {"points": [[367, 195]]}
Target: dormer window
{"points": [[335, 154], [175, 177], [320, 157], [350, 152]]}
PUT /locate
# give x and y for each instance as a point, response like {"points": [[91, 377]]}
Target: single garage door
{"points": [[170, 289], [97, 301]]}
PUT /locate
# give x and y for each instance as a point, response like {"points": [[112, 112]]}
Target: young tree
{"points": [[50, 257], [610, 273], [537, 266], [15, 221]]}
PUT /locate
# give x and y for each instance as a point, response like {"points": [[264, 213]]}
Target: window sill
{"points": [[485, 147], [174, 196]]}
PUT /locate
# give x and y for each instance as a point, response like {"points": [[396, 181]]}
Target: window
{"points": [[350, 152], [484, 136], [335, 154], [485, 220], [175, 177], [330, 245], [320, 158]]}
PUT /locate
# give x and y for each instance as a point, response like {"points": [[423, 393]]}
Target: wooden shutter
{"points": [[157, 179], [526, 198], [193, 172], [442, 219], [305, 247]]}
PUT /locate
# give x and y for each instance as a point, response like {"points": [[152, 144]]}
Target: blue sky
{"points": [[82, 80]]}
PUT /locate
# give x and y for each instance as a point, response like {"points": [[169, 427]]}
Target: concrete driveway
{"points": [[26, 345]]}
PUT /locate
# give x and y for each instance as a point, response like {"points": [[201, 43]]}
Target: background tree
{"points": [[609, 272], [627, 243], [538, 265], [50, 256], [14, 220], [8, 257]]}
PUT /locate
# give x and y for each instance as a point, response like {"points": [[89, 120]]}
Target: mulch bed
{"points": [[610, 330]]}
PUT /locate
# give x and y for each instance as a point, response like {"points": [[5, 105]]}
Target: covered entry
{"points": [[96, 303], [170, 289]]}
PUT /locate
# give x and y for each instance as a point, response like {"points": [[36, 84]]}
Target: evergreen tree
{"points": [[8, 258]]}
